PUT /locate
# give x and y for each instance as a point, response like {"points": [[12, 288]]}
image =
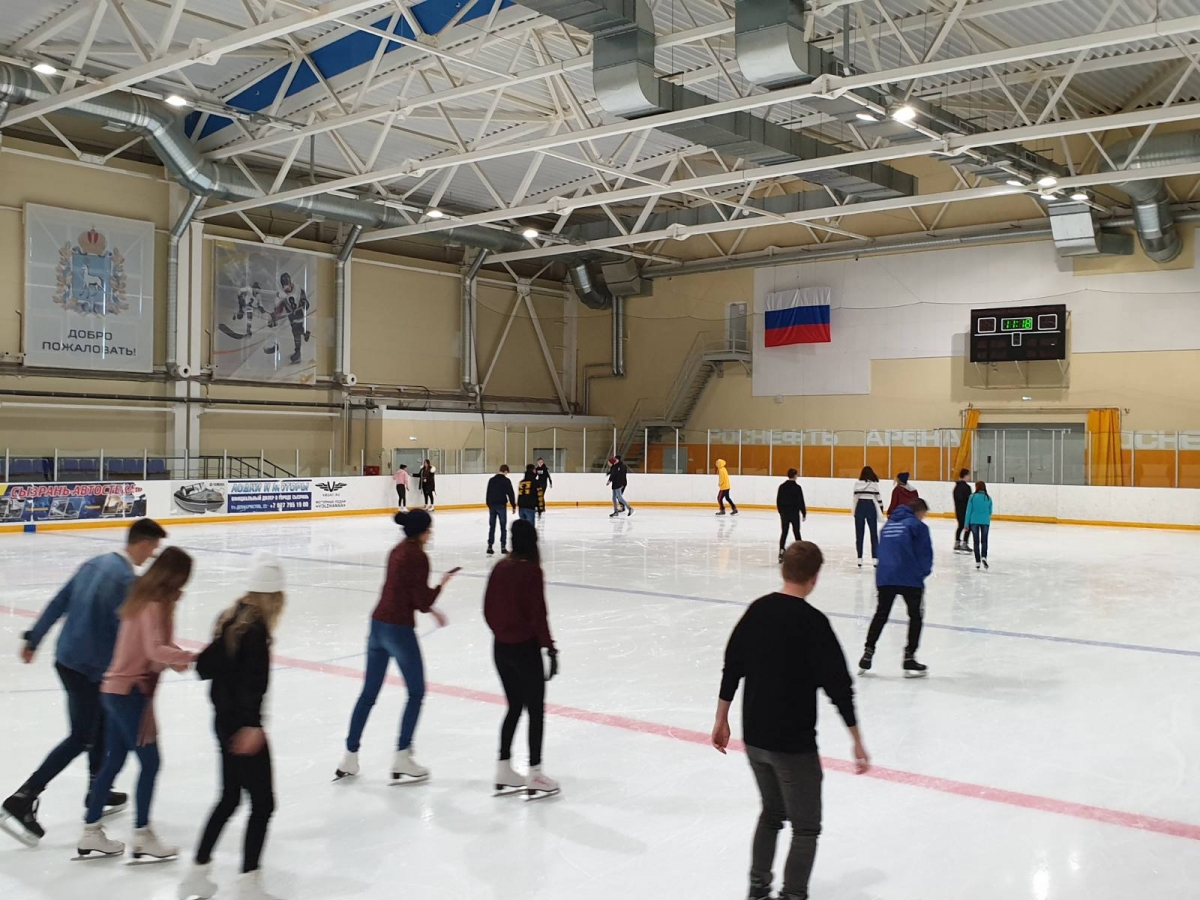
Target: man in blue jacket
{"points": [[89, 601], [905, 561]]}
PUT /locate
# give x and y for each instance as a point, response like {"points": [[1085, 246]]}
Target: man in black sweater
{"points": [[790, 503], [786, 650], [962, 494], [499, 494], [544, 483]]}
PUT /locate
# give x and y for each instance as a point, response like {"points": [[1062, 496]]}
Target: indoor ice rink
{"points": [[324, 279]]}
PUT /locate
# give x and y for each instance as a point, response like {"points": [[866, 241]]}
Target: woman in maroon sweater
{"points": [[393, 636], [515, 609]]}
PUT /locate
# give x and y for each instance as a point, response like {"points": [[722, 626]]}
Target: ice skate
{"points": [[94, 844], [199, 884], [539, 786], [985, 565], [491, 552], [977, 565], [508, 782], [781, 557], [628, 511], [114, 804], [721, 513], [18, 818], [405, 769], [864, 664], [347, 768], [614, 514], [147, 848], [760, 892], [734, 513], [250, 887], [860, 559], [913, 669], [875, 562]]}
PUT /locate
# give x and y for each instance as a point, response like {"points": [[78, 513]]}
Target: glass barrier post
{"points": [[707, 449], [890, 472], [1133, 459], [101, 463], [297, 462], [1003, 454], [526, 460], [55, 464], [676, 451], [1028, 460], [586, 465], [771, 452], [330, 461], [145, 464], [6, 463], [1177, 459], [646, 450], [739, 451], [554, 445]]}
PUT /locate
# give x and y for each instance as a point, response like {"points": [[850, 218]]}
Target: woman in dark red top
{"points": [[515, 609], [393, 636]]}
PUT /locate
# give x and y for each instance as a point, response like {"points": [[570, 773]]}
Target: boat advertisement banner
{"points": [[59, 502]]}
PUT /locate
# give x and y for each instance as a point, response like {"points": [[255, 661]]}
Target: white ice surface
{"points": [[641, 609]]}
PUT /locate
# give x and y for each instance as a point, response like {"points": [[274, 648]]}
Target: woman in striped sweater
{"points": [[867, 506]]}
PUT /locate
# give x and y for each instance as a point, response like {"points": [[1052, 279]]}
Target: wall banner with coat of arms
{"points": [[89, 291]]}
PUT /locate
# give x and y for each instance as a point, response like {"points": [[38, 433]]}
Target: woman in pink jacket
{"points": [[145, 647], [400, 479]]}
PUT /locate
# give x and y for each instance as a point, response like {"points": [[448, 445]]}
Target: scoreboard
{"points": [[1018, 333]]}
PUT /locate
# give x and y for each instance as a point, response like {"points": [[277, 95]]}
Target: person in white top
{"points": [[867, 506]]}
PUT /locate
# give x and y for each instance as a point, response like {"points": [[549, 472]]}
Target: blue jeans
{"points": [[528, 515], [87, 731], [387, 642], [980, 534], [619, 499], [498, 514], [123, 720], [864, 518]]}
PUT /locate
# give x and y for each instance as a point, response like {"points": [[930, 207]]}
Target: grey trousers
{"points": [[790, 785]]}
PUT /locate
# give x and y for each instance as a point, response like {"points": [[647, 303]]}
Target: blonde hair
{"points": [[254, 606], [162, 583]]}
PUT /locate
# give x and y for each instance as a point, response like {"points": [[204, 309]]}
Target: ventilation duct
{"points": [[165, 135], [1076, 234], [1152, 217], [627, 86], [591, 294], [623, 279]]}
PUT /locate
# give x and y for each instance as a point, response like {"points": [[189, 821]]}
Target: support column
{"points": [[570, 359]]}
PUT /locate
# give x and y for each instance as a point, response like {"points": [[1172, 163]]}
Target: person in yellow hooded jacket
{"points": [[723, 488]]}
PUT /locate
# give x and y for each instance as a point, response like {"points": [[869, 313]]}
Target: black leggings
{"points": [[788, 519], [401, 495], [914, 599], [963, 532], [428, 492], [521, 673], [251, 774]]}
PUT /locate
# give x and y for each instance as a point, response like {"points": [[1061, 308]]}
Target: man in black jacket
{"points": [[544, 482], [618, 477], [499, 494], [786, 651], [962, 494], [790, 503]]}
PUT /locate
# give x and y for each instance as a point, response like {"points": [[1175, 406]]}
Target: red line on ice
{"points": [[1035, 802]]}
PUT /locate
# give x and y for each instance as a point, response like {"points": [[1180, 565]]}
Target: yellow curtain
{"points": [[1104, 443], [962, 459]]}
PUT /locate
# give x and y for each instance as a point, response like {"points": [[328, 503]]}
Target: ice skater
{"points": [[393, 635], [499, 498], [962, 494], [400, 479], [145, 648], [786, 651], [789, 500], [427, 480], [867, 506], [903, 494], [528, 496], [979, 520], [723, 489], [905, 561], [89, 602], [514, 607], [618, 479], [544, 483], [238, 663]]}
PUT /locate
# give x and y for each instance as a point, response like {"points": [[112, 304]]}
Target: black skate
{"points": [[760, 892], [615, 514], [114, 804], [628, 511], [864, 664], [18, 818], [913, 669], [781, 556], [734, 513], [491, 552], [985, 565], [721, 513]]}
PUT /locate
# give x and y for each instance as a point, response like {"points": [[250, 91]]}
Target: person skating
{"points": [[867, 506], [400, 478], [962, 494], [89, 603], [500, 497], [723, 489], [786, 651], [238, 663], [903, 494], [979, 521], [427, 480], [393, 635], [528, 496], [145, 648], [789, 500], [514, 607], [544, 483], [905, 561], [618, 479]]}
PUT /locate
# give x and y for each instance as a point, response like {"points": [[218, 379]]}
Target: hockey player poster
{"points": [[266, 308], [89, 291]]}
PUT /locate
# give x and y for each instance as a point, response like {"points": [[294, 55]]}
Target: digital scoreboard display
{"points": [[1018, 334]]}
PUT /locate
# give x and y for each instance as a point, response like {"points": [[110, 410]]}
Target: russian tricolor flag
{"points": [[798, 317]]}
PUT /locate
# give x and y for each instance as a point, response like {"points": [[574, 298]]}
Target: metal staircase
{"points": [[707, 357]]}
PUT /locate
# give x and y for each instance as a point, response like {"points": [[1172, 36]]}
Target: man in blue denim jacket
{"points": [[89, 602]]}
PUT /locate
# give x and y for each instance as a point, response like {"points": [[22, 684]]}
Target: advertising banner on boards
{"points": [[60, 502]]}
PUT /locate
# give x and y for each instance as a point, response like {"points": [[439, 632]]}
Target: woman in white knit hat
{"points": [[238, 662]]}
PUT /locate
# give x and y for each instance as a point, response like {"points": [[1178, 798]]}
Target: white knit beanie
{"points": [[266, 574]]}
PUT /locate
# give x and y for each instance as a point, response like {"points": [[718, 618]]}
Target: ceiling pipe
{"points": [[1153, 220], [469, 370]]}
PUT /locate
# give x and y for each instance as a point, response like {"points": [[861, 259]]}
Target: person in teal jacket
{"points": [[979, 520]]}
